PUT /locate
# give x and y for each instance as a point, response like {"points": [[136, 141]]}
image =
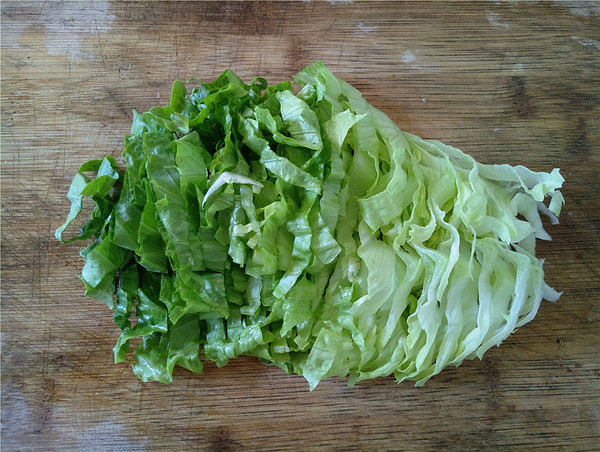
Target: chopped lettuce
{"points": [[309, 231]]}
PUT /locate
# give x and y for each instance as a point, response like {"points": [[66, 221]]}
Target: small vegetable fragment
{"points": [[309, 231]]}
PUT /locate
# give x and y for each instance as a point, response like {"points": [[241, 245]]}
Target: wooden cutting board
{"points": [[506, 82]]}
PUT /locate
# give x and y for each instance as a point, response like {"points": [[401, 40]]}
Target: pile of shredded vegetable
{"points": [[309, 231]]}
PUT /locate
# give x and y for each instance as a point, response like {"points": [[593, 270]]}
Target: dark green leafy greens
{"points": [[306, 230]]}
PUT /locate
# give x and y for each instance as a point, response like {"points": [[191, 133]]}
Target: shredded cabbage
{"points": [[309, 231]]}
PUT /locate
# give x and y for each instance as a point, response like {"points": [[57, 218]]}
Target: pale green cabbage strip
{"points": [[309, 231]]}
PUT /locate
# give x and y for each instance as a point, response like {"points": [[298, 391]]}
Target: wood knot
{"points": [[520, 98]]}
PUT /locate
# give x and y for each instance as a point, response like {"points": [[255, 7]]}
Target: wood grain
{"points": [[506, 82]]}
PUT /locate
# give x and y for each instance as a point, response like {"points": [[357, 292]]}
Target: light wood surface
{"points": [[513, 82]]}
